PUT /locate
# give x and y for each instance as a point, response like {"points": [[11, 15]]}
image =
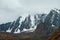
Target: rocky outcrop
{"points": [[55, 35]]}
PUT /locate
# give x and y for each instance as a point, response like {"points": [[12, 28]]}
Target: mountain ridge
{"points": [[51, 19]]}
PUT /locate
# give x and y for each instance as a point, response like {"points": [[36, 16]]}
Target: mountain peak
{"points": [[55, 10], [31, 21]]}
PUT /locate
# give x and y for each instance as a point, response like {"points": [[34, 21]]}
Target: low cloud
{"points": [[11, 9]]}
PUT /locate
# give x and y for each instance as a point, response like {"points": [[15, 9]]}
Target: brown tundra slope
{"points": [[22, 36], [8, 36], [36, 35]]}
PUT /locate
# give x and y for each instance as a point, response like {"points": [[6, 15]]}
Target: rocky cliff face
{"points": [[50, 21], [55, 35]]}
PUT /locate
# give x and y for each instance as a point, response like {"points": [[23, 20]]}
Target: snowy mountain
{"points": [[30, 23]]}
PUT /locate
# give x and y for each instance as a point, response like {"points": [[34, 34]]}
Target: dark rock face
{"points": [[39, 18], [11, 25], [15, 25], [4, 27], [26, 23]]}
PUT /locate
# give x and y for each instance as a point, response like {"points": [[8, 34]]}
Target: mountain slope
{"points": [[30, 23]]}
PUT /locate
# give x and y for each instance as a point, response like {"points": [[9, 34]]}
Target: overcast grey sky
{"points": [[11, 9]]}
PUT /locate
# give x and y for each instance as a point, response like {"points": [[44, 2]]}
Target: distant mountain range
{"points": [[47, 23]]}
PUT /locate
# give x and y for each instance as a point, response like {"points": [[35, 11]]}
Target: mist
{"points": [[11, 9]]}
